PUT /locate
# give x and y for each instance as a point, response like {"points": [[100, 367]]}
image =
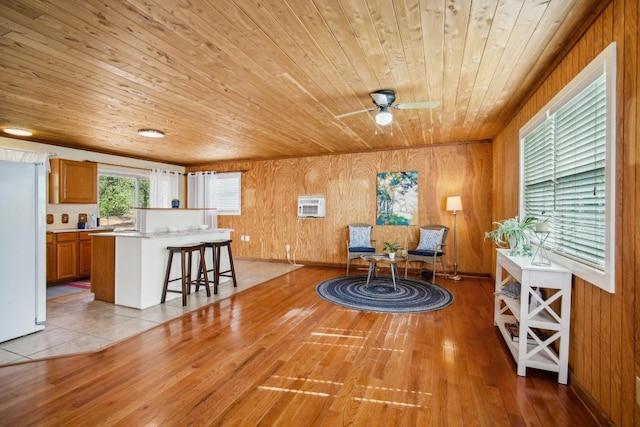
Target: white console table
{"points": [[550, 314]]}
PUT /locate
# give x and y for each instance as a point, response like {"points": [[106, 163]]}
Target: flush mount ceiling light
{"points": [[151, 133], [18, 132]]}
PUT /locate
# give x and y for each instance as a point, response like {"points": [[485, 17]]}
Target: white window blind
{"points": [[568, 172], [227, 192], [580, 176], [539, 166], [222, 191]]}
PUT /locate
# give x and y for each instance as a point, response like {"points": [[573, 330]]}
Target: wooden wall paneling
{"points": [[633, 183], [630, 210], [615, 404], [604, 326], [606, 330], [478, 222], [348, 182], [587, 339]]}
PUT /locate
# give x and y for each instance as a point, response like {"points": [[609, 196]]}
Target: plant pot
{"points": [[542, 227], [392, 255], [175, 204]]}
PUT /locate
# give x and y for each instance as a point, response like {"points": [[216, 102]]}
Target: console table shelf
{"points": [[542, 317]]}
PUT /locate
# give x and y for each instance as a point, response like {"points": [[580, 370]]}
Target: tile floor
{"points": [[76, 323]]}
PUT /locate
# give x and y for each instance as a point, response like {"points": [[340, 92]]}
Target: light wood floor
{"points": [[278, 355]]}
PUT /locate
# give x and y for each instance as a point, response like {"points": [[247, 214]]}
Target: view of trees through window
{"points": [[118, 196]]}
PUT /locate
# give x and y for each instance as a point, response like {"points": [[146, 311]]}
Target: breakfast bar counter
{"points": [[128, 267]]}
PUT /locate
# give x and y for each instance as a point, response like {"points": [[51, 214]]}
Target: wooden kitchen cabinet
{"points": [[84, 254], [103, 268], [66, 256], [71, 181], [51, 258], [69, 255]]}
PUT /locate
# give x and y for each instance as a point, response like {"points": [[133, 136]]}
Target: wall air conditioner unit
{"points": [[311, 207]]}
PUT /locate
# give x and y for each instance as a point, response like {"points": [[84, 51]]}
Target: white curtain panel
{"points": [[164, 188], [200, 187]]}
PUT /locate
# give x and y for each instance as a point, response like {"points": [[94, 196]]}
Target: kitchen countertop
{"points": [[163, 234], [76, 230]]}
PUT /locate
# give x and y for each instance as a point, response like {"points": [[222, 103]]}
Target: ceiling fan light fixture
{"points": [[384, 117], [18, 132], [151, 133]]}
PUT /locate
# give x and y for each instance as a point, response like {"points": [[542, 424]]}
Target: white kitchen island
{"points": [[141, 263], [132, 264]]}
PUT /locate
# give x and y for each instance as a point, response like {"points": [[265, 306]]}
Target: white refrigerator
{"points": [[23, 292]]}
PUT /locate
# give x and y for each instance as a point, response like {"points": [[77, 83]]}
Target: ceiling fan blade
{"points": [[416, 105], [368, 110]]}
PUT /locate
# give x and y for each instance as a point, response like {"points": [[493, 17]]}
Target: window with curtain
{"points": [[221, 191], [568, 172], [119, 193], [164, 188]]}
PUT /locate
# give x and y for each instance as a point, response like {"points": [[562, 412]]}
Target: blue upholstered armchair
{"points": [[429, 249], [360, 242]]}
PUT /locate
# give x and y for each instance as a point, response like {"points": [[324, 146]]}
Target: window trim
{"points": [[107, 171], [605, 62]]}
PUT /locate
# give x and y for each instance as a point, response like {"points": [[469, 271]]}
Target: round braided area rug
{"points": [[410, 296]]}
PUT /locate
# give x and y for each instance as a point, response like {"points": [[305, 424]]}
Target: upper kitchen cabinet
{"points": [[73, 182]]}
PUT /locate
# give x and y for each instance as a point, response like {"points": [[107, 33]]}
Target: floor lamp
{"points": [[454, 204]]}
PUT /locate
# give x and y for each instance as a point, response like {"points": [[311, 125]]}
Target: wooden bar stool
{"points": [[186, 256], [216, 246]]}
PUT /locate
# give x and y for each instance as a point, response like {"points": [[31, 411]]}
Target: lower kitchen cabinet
{"points": [[84, 254], [69, 255]]}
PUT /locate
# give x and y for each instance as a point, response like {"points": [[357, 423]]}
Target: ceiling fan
{"points": [[383, 99]]}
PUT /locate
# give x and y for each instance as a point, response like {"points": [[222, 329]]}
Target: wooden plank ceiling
{"points": [[263, 79]]}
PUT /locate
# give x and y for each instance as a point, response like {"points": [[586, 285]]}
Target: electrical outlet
{"points": [[247, 238], [242, 238], [287, 247]]}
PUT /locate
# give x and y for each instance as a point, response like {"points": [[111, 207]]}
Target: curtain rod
{"points": [[135, 167], [239, 170], [151, 169]]}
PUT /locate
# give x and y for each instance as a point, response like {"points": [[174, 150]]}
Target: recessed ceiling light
{"points": [[18, 132], [151, 133]]}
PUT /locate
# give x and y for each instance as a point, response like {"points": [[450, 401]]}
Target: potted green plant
{"points": [[391, 248], [514, 233], [175, 203]]}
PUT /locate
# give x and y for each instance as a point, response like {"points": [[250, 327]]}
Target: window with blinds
{"points": [[222, 191], [568, 172], [226, 193]]}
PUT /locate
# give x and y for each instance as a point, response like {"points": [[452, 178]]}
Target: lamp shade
{"points": [[383, 118], [454, 203]]}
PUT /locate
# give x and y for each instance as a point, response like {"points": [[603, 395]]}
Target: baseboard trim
{"points": [[592, 406], [413, 271]]}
